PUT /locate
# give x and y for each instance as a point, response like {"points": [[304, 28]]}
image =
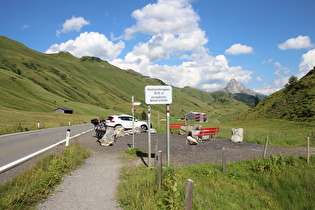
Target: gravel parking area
{"points": [[207, 151]]}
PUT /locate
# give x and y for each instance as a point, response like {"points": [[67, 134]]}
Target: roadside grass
{"points": [[280, 132], [13, 121], [284, 182], [29, 188]]}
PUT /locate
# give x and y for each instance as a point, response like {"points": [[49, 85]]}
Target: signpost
{"points": [[159, 95], [133, 105]]}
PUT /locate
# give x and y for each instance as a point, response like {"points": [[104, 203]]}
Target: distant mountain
{"points": [[241, 93], [295, 102], [235, 87]]}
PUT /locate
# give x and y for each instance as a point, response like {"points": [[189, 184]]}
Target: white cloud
{"points": [[300, 42], [307, 63], [281, 75], [267, 89], [175, 33], [90, 44], [166, 16], [237, 49], [267, 61], [73, 24], [281, 68], [206, 73]]}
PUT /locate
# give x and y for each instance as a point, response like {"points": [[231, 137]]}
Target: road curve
{"points": [[18, 145]]}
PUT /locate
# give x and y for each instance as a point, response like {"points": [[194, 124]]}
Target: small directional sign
{"points": [[135, 104]]}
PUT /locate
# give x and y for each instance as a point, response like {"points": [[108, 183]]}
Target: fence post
{"points": [[223, 160], [160, 169], [308, 150], [67, 137], [189, 194], [265, 149]]}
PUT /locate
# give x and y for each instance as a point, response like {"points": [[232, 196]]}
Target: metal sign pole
{"points": [[168, 133], [133, 122], [159, 95], [149, 136]]}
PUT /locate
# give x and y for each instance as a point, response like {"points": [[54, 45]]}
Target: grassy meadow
{"points": [[284, 182]]}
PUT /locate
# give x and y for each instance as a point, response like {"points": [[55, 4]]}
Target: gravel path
{"points": [[92, 186]]}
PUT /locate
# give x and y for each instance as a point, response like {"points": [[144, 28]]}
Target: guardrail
{"points": [[21, 160]]}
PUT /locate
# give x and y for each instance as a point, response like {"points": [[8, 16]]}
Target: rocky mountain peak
{"points": [[235, 87]]}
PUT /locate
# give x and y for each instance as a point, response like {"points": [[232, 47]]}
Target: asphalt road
{"points": [[18, 145]]}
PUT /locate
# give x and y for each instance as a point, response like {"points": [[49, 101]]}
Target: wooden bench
{"points": [[213, 132], [176, 126]]}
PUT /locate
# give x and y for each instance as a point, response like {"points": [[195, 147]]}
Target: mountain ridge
{"points": [[34, 81]]}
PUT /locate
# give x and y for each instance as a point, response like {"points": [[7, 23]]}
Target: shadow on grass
{"points": [[143, 155]]}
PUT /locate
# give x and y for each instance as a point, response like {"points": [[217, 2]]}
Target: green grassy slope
{"points": [[295, 102], [34, 81]]}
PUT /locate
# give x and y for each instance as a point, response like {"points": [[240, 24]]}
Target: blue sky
{"points": [[197, 43]]}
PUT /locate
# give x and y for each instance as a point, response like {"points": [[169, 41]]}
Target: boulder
{"points": [[191, 141], [237, 135], [185, 129], [137, 130], [119, 131], [109, 138], [153, 131]]}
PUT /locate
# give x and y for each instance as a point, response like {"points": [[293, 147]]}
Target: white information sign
{"points": [[158, 94]]}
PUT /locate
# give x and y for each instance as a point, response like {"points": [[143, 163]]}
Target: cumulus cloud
{"points": [[166, 16], [172, 26], [307, 63], [206, 73], [174, 50], [237, 49], [73, 24], [90, 44], [300, 42]]}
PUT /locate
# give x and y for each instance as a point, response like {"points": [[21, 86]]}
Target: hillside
{"points": [[34, 81], [296, 102]]}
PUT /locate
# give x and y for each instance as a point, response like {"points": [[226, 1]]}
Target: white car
{"points": [[126, 122]]}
